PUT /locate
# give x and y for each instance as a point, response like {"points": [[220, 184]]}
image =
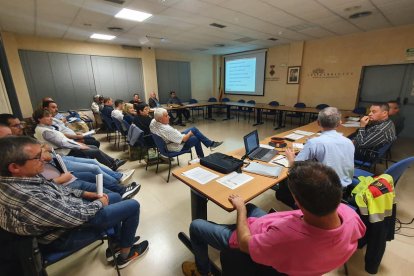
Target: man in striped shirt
{"points": [[375, 130], [30, 205]]}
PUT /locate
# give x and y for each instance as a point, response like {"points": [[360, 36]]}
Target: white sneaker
{"points": [[126, 175]]}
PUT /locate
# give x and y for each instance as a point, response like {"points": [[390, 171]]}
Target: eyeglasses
{"points": [[17, 126], [37, 157]]}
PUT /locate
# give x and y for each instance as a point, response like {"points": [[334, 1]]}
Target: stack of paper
{"points": [[234, 180], [266, 170], [298, 146], [200, 175], [351, 124], [294, 136], [305, 133]]}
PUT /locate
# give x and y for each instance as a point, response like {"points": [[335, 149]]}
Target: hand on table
{"points": [[237, 201]]}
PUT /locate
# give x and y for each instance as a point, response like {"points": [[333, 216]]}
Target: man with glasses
{"points": [[32, 206], [13, 122], [316, 239]]}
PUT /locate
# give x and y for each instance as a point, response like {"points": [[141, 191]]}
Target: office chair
{"points": [[272, 112], [145, 142], [162, 150], [109, 126], [296, 114], [198, 109], [368, 158]]}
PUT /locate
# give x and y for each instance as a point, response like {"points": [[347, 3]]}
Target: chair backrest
{"points": [[212, 100], [251, 102], [192, 101], [118, 126], [321, 106], [274, 103], [109, 123], [225, 100], [161, 145], [360, 110], [397, 169], [300, 105], [241, 101]]}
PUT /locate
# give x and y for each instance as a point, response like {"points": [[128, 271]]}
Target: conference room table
{"points": [[258, 107], [218, 193]]}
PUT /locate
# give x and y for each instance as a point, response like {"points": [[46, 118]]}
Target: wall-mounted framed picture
{"points": [[293, 75]]}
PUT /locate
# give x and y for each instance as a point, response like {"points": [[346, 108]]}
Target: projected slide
{"points": [[244, 73], [241, 75]]}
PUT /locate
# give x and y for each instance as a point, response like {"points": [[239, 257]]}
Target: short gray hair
{"points": [[12, 151], [159, 113], [329, 117]]}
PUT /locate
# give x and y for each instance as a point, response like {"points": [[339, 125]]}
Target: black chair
{"points": [[145, 142], [122, 128], [109, 126], [296, 114], [318, 107], [218, 108], [163, 150], [240, 109], [368, 158], [251, 110], [271, 112], [21, 255]]}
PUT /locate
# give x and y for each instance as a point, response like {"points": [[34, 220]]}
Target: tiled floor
{"points": [[165, 211]]}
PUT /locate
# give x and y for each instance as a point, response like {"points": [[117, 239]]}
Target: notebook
{"points": [[253, 149]]}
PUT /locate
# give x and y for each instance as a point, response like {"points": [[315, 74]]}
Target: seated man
{"points": [[46, 134], [376, 130], [107, 108], [60, 125], [135, 100], [117, 112], [13, 122], [33, 206], [174, 100], [320, 237], [96, 105], [153, 101], [330, 148], [395, 116], [143, 120], [175, 140]]}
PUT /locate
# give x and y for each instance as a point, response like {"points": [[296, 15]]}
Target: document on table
{"points": [[200, 175], [294, 136], [351, 124], [234, 180], [265, 170], [305, 133], [280, 160], [298, 146]]}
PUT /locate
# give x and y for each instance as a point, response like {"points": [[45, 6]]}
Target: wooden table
{"points": [[219, 194]]}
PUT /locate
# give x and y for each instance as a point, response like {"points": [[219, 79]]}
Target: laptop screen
{"points": [[251, 141]]}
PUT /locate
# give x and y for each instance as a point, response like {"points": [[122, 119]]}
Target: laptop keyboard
{"points": [[262, 152]]}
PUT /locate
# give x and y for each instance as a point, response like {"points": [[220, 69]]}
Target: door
{"points": [[382, 83]]}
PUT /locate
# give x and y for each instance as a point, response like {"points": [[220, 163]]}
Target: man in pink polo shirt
{"points": [[319, 237]]}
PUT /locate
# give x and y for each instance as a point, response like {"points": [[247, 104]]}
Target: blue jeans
{"points": [[79, 184], [204, 233], [123, 216], [196, 140], [78, 164], [112, 185]]}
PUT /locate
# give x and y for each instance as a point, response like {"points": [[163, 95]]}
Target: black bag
{"points": [[221, 162]]}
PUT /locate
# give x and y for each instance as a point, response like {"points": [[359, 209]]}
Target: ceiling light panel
{"points": [[133, 15], [102, 36]]}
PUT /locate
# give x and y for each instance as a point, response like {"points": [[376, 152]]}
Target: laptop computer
{"points": [[253, 149]]}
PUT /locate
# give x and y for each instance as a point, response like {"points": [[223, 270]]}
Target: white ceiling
{"points": [[185, 24]]}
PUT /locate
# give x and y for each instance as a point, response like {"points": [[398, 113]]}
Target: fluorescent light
{"points": [[133, 15], [102, 36]]}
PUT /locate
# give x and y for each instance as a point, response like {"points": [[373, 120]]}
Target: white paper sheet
{"points": [[61, 163], [234, 180], [91, 132], [200, 175], [294, 136], [305, 133], [351, 124], [298, 146], [262, 169]]}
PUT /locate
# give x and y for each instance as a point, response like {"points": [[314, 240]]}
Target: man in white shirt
{"points": [[117, 112], [177, 141]]}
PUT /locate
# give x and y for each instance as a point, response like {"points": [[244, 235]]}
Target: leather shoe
{"points": [[118, 163]]}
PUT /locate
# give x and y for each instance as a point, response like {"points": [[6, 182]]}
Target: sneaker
{"points": [[109, 257], [136, 252], [215, 145], [131, 190], [126, 175], [190, 269]]}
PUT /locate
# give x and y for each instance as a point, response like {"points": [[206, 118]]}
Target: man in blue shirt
{"points": [[330, 148]]}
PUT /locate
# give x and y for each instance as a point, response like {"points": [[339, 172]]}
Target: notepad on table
{"points": [[305, 133], [294, 136], [234, 180], [280, 160], [262, 169]]}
